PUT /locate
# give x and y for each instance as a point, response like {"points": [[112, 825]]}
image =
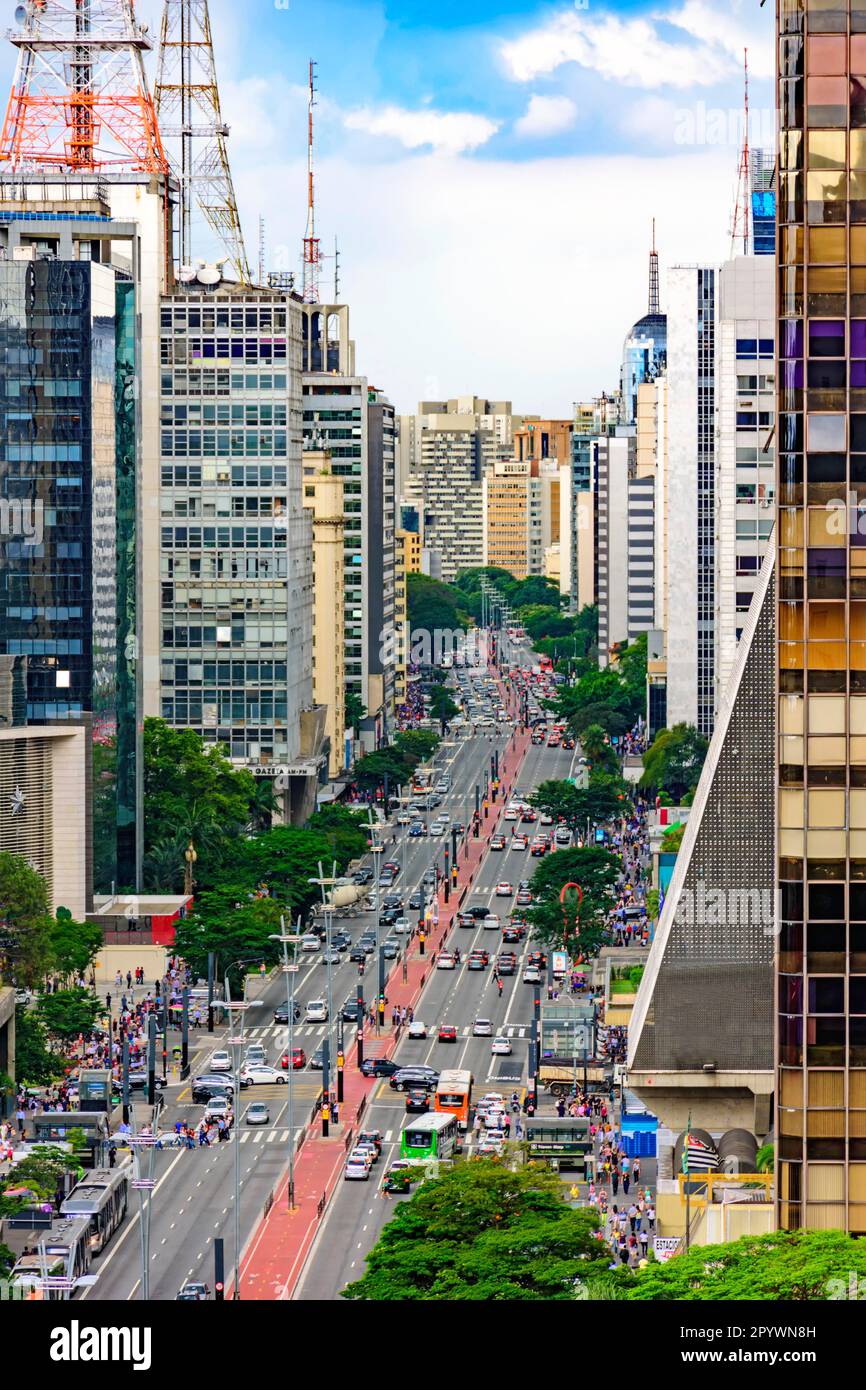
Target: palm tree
{"points": [[593, 742], [263, 805], [164, 865]]}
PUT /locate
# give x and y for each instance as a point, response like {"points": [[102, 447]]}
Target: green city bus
{"points": [[429, 1136]]}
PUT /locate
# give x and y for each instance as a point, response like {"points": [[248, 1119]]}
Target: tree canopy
{"points": [[25, 922], [596, 871], [601, 800], [674, 761], [432, 605], [482, 1233]]}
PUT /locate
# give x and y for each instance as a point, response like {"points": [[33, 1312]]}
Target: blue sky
{"points": [[491, 168]]}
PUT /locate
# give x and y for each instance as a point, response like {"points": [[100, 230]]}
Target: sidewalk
{"points": [[274, 1258]]}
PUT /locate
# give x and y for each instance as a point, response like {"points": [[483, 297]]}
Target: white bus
{"points": [[62, 1253], [102, 1197]]}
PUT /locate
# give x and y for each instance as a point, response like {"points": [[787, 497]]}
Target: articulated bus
{"points": [[429, 1136], [103, 1197], [454, 1095], [62, 1253]]}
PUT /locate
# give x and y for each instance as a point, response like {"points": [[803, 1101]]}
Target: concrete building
{"points": [[323, 495], [511, 517], [821, 639], [46, 781], [236, 555], [611, 467], [355, 423], [591, 420], [445, 450]]}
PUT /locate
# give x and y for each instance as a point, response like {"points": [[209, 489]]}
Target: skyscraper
{"points": [[821, 952]]}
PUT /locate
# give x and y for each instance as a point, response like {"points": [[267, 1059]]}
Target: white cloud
{"points": [[630, 51], [446, 132], [739, 28], [547, 116]]}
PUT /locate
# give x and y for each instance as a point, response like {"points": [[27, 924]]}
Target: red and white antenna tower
{"points": [[80, 100], [312, 257], [743, 210], [654, 299]]}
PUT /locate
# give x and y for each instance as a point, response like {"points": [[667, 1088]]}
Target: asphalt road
{"points": [[193, 1201], [358, 1211]]}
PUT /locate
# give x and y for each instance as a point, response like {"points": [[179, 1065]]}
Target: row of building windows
{"points": [[210, 318], [207, 382], [245, 537], [224, 443]]}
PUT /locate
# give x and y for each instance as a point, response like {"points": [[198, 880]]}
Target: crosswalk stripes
{"points": [[269, 1136]]}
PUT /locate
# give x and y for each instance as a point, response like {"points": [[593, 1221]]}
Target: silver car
{"points": [[258, 1113]]}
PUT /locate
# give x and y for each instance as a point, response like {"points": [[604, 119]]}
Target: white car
{"points": [[519, 842], [511, 813], [366, 1151], [356, 1169], [491, 1142], [491, 922], [310, 942], [482, 1028], [446, 962], [438, 828], [401, 925], [220, 1061], [546, 819], [501, 1047], [316, 1011], [217, 1109], [504, 890], [532, 975], [259, 1075], [563, 836], [417, 1029], [405, 818]]}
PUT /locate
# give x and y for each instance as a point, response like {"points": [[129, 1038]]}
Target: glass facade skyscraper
{"points": [[61, 324], [821, 955]]}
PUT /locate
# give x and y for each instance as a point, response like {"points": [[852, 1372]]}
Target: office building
{"points": [[511, 509], [445, 451], [644, 354], [236, 555], [46, 783], [323, 496], [821, 835], [355, 423], [591, 420]]}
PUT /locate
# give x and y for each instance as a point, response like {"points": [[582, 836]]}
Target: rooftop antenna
{"points": [[80, 100], [654, 304], [336, 271], [261, 250], [742, 217], [312, 258], [187, 104]]}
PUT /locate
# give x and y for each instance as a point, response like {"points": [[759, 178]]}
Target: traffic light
{"points": [[219, 1292]]}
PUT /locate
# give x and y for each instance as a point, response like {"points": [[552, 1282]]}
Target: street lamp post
{"points": [[236, 1042], [190, 857]]}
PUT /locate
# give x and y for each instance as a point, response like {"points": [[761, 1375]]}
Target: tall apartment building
{"points": [[591, 420], [511, 510], [821, 834], [323, 496], [445, 450], [70, 514], [356, 424], [236, 542]]}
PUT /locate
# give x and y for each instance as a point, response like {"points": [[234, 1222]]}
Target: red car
{"points": [[299, 1059], [447, 1033]]}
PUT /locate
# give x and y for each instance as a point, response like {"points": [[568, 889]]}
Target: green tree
{"points": [[68, 1012], [787, 1266], [35, 1064], [482, 1233], [371, 770], [417, 744], [432, 605], [673, 839], [232, 925], [355, 712], [674, 761], [596, 871], [600, 801], [25, 922], [442, 707], [191, 788], [74, 946]]}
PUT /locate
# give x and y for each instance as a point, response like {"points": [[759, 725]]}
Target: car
{"points": [[417, 1101], [358, 953], [310, 942], [379, 1066], [221, 1061], [524, 898], [546, 818], [356, 1169], [201, 1095], [511, 934], [193, 1293], [363, 876], [257, 1114], [475, 962], [341, 940], [438, 828], [255, 1055], [477, 913], [458, 827], [465, 919], [532, 975], [506, 964], [491, 922], [562, 835], [447, 1032], [317, 1060], [217, 1108], [497, 842], [539, 848], [528, 817], [417, 1029], [415, 902], [260, 1075], [537, 958], [446, 961], [501, 1047], [504, 890], [404, 818], [368, 1152], [402, 926], [406, 1077], [519, 842], [299, 1059], [511, 813], [281, 1013], [482, 1028], [138, 1082], [490, 1143], [350, 1011], [371, 1138], [392, 900], [390, 949], [316, 1011]]}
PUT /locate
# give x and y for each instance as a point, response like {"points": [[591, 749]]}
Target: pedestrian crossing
{"points": [[307, 1032], [263, 1135]]}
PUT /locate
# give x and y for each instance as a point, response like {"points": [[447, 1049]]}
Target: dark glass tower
{"points": [[821, 953], [67, 510]]}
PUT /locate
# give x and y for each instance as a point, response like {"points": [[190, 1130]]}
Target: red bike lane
{"points": [[275, 1254]]}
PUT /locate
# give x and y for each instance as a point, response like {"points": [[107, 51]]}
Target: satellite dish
{"points": [[186, 274], [209, 275], [20, 14]]}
